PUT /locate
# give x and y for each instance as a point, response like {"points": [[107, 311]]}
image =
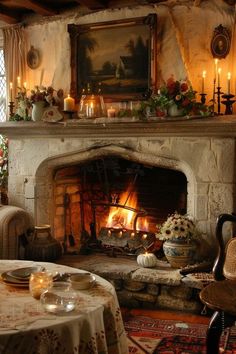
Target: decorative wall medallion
{"points": [[33, 58], [220, 43]]}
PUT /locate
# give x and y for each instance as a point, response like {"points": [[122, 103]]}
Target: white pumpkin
{"points": [[147, 260]]}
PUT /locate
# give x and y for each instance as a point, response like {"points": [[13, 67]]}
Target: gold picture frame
{"points": [[220, 43], [118, 58]]}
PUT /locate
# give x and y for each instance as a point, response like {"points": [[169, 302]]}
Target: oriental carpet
{"points": [[150, 333]]}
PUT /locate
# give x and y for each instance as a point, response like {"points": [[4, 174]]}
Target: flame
{"points": [[123, 218], [120, 217], [142, 224]]}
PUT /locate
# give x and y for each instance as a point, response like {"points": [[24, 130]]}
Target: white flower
{"points": [[177, 226]]}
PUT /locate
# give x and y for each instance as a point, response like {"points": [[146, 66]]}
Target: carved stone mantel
{"points": [[219, 126]]}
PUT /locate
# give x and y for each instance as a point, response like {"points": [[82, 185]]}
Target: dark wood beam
{"points": [[37, 7], [93, 4], [8, 16]]}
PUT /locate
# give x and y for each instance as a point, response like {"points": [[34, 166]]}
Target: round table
{"points": [[94, 327]]}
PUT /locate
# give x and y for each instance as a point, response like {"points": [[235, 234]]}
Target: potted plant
{"points": [[178, 232]]}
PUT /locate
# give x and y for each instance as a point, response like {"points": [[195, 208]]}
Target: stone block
{"points": [[134, 285], [170, 303], [157, 276], [178, 292]]}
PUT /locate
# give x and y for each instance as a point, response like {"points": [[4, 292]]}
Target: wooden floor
{"points": [[168, 315]]}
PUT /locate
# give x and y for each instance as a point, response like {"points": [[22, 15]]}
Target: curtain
{"points": [[14, 45]]}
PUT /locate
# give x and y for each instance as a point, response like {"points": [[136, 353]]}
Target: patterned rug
{"points": [[157, 336]]}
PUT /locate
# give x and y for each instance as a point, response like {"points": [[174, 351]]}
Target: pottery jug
{"points": [[43, 246]]}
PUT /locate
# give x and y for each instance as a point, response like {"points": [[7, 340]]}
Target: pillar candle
{"points": [[69, 104], [203, 80], [229, 78], [111, 112]]}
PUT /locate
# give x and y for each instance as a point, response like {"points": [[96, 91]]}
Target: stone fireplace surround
{"points": [[203, 149]]}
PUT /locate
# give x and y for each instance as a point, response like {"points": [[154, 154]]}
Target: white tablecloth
{"points": [[95, 326]]}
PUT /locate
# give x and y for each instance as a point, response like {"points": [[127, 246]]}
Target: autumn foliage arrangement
{"points": [[178, 92]]}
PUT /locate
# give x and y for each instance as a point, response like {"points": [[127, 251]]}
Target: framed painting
{"points": [[220, 43], [116, 58]]}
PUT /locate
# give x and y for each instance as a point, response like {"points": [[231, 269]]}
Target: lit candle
{"points": [[18, 81], [203, 80], [229, 78], [219, 72], [11, 87], [216, 68], [90, 109], [39, 282], [111, 112], [25, 84], [69, 104]]}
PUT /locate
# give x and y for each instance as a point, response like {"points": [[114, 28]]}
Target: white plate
{"points": [[52, 115]]}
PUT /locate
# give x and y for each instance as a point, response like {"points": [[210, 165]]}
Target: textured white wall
{"points": [[184, 36]]}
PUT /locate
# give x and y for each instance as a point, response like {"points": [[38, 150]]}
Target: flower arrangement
{"points": [[42, 94], [178, 92], [177, 226]]}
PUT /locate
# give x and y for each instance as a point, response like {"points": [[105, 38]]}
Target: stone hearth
{"points": [[161, 287]]}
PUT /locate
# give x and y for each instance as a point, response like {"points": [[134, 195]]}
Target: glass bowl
{"points": [[59, 298]]}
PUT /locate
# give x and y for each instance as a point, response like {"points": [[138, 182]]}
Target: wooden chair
{"points": [[220, 295]]}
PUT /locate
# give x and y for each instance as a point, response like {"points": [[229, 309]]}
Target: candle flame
{"points": [[219, 70], [229, 75], [11, 85], [204, 74]]}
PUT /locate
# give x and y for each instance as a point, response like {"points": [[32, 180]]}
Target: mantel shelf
{"points": [[219, 126]]}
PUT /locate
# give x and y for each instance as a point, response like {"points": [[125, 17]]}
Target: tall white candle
{"points": [[18, 81], [219, 72], [216, 68], [11, 87], [203, 80], [229, 78]]}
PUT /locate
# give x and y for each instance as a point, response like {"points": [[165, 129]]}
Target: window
{"points": [[3, 92]]}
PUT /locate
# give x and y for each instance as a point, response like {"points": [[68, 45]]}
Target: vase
{"points": [[38, 110], [179, 252], [175, 111]]}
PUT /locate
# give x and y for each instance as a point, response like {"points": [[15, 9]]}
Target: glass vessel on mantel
{"points": [[91, 106]]}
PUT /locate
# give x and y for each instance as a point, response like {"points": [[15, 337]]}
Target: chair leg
{"points": [[213, 334], [217, 325]]}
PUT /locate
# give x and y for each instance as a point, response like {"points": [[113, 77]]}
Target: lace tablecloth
{"points": [[94, 327]]}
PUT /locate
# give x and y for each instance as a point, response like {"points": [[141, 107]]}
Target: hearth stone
{"points": [[160, 287]]}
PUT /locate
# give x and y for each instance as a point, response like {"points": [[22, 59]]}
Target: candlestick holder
{"points": [[228, 103], [70, 113], [218, 94], [11, 109], [203, 98]]}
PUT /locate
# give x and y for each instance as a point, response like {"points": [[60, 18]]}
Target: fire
{"points": [[121, 218]]}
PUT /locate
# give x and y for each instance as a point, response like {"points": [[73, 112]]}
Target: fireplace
{"points": [[115, 201], [199, 155]]}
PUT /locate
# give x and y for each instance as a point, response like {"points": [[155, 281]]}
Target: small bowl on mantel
{"points": [[82, 281]]}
